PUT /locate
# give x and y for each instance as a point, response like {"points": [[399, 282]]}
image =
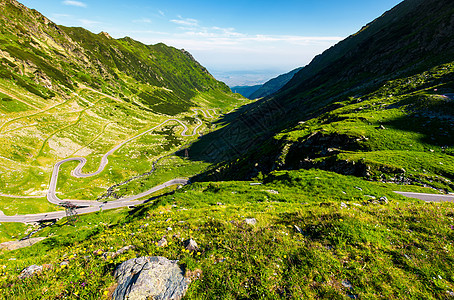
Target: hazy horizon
{"points": [[231, 39]]}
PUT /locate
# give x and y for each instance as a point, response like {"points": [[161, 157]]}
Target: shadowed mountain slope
{"points": [[355, 107]]}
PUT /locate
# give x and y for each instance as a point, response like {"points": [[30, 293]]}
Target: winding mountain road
{"points": [[428, 197], [90, 205]]}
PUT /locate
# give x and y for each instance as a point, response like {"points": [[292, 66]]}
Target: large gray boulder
{"points": [[149, 277]]}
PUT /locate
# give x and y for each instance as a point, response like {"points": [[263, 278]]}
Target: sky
{"points": [[241, 42]]}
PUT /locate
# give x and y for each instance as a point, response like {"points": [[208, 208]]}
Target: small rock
{"points": [[272, 192], [347, 284], [169, 229], [30, 271], [219, 204], [358, 188], [251, 221], [450, 293], [381, 127], [107, 255], [297, 229], [169, 219], [124, 249], [162, 242], [191, 245], [98, 252], [150, 278], [355, 204], [384, 200], [193, 275], [343, 205], [64, 263]]}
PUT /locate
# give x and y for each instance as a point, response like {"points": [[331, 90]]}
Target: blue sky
{"points": [[239, 41]]}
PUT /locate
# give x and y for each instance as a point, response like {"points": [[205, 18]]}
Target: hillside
{"points": [[295, 194], [273, 85], [67, 92], [336, 108]]}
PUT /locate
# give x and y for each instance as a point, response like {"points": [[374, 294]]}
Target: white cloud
{"points": [[161, 13], [185, 22], [74, 3], [143, 20]]}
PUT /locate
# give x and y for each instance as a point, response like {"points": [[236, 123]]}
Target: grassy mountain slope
{"points": [[68, 92], [273, 85], [337, 118]]}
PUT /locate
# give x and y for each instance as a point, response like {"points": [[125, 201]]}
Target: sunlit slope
{"points": [[66, 92]]}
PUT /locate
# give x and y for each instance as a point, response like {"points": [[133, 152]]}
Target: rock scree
{"points": [[150, 277]]}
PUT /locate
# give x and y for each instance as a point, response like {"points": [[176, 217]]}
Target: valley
{"points": [[335, 182]]}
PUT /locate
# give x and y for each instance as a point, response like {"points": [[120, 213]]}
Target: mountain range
{"points": [[268, 88]]}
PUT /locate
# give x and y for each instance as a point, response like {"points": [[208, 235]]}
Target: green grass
{"points": [[21, 206], [405, 244]]}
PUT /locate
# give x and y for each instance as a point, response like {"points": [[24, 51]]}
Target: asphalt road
{"points": [[428, 197], [92, 206]]}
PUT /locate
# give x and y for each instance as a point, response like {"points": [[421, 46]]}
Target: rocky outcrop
{"points": [[150, 278]]}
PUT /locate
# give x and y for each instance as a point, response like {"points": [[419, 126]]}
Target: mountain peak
{"points": [[107, 35]]}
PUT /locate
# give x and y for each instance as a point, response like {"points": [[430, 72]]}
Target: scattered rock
{"points": [[358, 188], [219, 203], [343, 205], [381, 127], [169, 229], [14, 245], [251, 221], [191, 245], [355, 204], [98, 252], [162, 242], [272, 192], [169, 219], [384, 200], [107, 255], [150, 278], [347, 284], [30, 271], [64, 263], [297, 229], [193, 275], [124, 249], [450, 293]]}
